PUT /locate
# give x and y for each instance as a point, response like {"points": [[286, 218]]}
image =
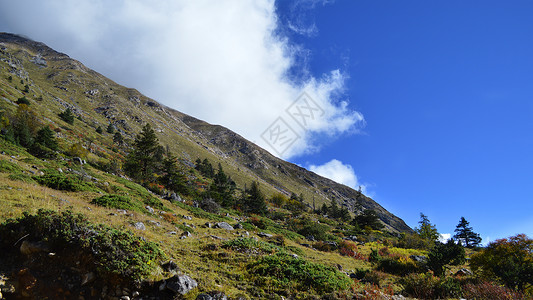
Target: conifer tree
{"points": [[254, 200], [143, 161], [466, 235], [172, 178], [427, 230]]}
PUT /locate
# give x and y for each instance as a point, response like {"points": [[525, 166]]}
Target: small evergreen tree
{"points": [[46, 137], [466, 235], [172, 179], [254, 200], [23, 100], [369, 218], [110, 128], [427, 230], [99, 130], [143, 161], [118, 139], [67, 116]]}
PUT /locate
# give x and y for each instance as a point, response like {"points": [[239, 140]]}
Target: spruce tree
{"points": [[254, 200], [369, 218], [143, 161], [427, 230], [110, 128], [466, 235]]}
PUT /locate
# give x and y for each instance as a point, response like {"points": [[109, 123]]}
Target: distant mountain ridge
{"points": [[63, 82]]}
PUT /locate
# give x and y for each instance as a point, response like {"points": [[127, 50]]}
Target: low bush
{"points": [[59, 181], [116, 201], [427, 286], [286, 272], [399, 265], [113, 251]]}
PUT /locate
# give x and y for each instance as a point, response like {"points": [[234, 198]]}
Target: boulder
{"points": [[28, 248], [139, 226], [170, 266], [224, 225], [464, 272], [263, 234], [149, 209], [181, 284]]}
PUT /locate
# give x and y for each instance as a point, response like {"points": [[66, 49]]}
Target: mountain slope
{"points": [[57, 82]]}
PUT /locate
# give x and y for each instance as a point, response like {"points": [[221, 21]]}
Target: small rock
{"points": [[28, 248], [208, 225], [155, 223], [238, 226], [186, 234], [122, 211], [135, 294], [187, 218], [181, 284], [87, 278], [310, 238], [294, 255], [464, 272], [418, 258], [149, 209], [172, 232], [170, 266], [204, 297], [125, 298], [139, 226], [263, 234], [224, 225]]}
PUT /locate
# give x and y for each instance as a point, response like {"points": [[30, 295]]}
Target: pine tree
{"points": [[118, 139], [144, 160], [466, 235], [67, 116], [427, 230], [110, 128], [172, 178], [254, 200], [369, 218]]}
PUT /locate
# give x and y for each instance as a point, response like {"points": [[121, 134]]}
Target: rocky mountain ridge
{"points": [[58, 82]]}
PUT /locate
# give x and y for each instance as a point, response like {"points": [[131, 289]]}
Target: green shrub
{"points": [[60, 181], [284, 271], [398, 265], [113, 251], [116, 201], [9, 167], [23, 100], [427, 286]]}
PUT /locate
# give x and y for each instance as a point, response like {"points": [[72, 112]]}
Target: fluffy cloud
{"points": [[338, 172], [444, 237], [222, 61]]}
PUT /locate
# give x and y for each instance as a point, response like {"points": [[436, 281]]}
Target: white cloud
{"points": [[444, 237], [221, 61], [338, 172]]}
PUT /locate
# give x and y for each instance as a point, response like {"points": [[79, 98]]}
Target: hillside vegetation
{"points": [[107, 194]]}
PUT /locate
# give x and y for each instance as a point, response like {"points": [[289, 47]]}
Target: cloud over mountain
{"points": [[224, 62]]}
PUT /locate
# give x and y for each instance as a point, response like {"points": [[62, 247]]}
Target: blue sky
{"points": [[427, 104], [446, 91]]}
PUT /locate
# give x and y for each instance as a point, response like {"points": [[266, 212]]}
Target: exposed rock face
{"points": [[181, 284]]}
